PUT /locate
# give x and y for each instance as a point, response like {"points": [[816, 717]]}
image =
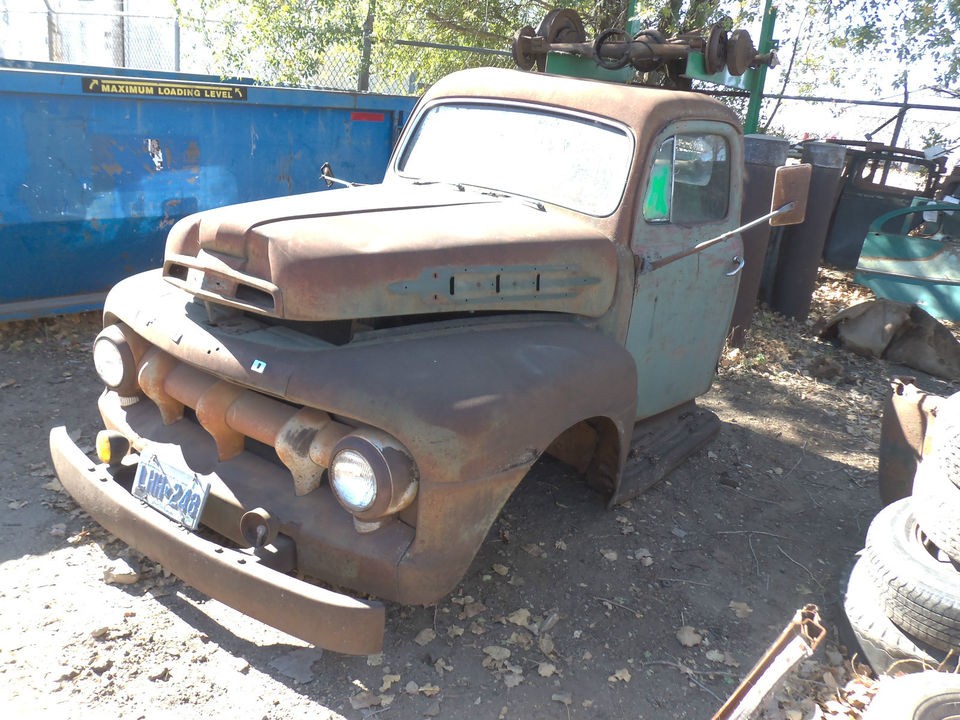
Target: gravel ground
{"points": [[655, 609]]}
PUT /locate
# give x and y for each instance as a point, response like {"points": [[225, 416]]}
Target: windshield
{"points": [[565, 160]]}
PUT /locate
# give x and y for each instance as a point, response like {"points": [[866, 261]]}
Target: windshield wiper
{"points": [[511, 196], [462, 187], [458, 186]]}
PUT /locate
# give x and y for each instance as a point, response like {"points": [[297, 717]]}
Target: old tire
{"points": [[882, 644], [936, 502], [945, 443], [918, 592], [922, 696]]}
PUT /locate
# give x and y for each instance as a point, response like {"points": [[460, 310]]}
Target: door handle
{"points": [[740, 263]]}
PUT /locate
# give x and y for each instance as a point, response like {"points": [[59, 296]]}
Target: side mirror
{"points": [[791, 185], [326, 174]]}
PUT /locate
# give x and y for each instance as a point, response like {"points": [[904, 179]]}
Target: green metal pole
{"points": [[765, 46], [632, 22]]}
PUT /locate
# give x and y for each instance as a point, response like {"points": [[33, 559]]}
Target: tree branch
{"points": [[457, 27], [786, 75]]}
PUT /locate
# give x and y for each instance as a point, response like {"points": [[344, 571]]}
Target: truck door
{"points": [[681, 311], [874, 182]]}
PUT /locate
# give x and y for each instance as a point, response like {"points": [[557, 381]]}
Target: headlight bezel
{"points": [[396, 479]]}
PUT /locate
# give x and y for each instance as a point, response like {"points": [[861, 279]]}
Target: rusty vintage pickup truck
{"points": [[345, 387]]}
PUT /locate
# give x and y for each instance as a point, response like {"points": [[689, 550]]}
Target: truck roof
{"points": [[646, 109]]}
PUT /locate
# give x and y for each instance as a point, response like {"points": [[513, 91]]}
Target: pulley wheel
{"points": [[562, 26], [740, 52], [524, 59], [716, 50]]}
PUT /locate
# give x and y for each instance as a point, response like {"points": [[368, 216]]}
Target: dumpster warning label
{"points": [[161, 89]]}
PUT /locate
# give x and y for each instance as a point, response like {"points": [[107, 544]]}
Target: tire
{"points": [[923, 696], [918, 592], [882, 644], [945, 443], [936, 502]]}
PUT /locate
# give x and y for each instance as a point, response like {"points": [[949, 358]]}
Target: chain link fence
{"points": [[38, 31], [405, 67]]}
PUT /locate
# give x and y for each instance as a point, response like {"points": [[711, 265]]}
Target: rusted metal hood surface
{"points": [[392, 250]]}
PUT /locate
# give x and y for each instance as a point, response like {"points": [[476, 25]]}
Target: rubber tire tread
{"points": [[882, 643], [916, 592], [921, 696], [936, 502], [945, 441]]}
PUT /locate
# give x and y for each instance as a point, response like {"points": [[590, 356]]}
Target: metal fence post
{"points": [[176, 44], [363, 79], [120, 36]]}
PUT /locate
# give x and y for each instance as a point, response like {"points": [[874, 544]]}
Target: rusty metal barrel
{"points": [[763, 154], [802, 245]]}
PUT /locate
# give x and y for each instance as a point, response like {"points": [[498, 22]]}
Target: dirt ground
{"points": [[653, 610]]}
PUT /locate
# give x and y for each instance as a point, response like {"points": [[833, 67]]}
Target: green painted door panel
{"points": [[681, 311]]}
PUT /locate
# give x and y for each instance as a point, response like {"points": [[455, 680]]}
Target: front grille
{"points": [[238, 418]]}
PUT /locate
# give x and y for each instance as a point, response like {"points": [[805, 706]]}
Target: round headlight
{"points": [[372, 475], [353, 480], [108, 362], [114, 361]]}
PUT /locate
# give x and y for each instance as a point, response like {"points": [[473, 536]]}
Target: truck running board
{"points": [[660, 443]]}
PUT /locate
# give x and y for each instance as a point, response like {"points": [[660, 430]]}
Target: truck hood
{"points": [[389, 250]]}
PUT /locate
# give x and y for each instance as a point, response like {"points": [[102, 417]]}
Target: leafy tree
{"points": [[490, 25], [933, 137], [330, 42], [676, 16], [321, 42], [906, 31], [307, 42]]}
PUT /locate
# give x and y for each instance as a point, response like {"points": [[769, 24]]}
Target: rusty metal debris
{"points": [[898, 332], [908, 415], [799, 640]]}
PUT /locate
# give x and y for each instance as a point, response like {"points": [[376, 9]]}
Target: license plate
{"points": [[173, 490]]}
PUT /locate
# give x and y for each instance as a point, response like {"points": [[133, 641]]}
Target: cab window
{"points": [[689, 181]]}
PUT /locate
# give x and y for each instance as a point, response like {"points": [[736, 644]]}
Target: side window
{"points": [[689, 181]]}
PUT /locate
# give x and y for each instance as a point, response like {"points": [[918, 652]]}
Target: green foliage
{"points": [[902, 30], [287, 42], [491, 25], [672, 17], [933, 137], [321, 42]]}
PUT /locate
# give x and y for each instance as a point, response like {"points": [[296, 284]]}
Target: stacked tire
{"points": [[903, 596], [924, 696]]}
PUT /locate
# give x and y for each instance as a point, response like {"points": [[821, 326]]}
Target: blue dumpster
{"points": [[100, 162]]}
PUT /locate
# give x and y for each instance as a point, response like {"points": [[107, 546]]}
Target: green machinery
{"points": [[559, 45]]}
